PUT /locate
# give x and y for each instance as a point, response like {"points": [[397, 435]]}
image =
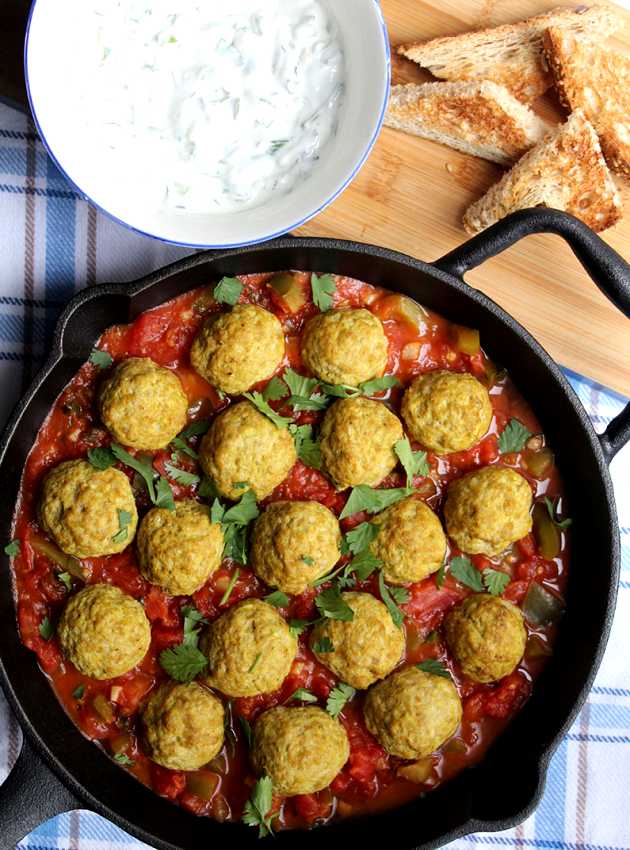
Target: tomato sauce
{"points": [[107, 712]]}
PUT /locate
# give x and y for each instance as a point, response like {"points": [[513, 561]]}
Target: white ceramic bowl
{"points": [[49, 58]]}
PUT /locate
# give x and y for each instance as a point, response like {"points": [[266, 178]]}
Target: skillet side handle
{"points": [[609, 271], [30, 795]]}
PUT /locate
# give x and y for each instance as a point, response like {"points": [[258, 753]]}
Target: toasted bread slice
{"points": [[510, 54], [480, 118], [597, 80], [566, 171]]}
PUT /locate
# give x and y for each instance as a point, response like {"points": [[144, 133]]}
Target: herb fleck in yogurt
{"points": [[210, 107]]}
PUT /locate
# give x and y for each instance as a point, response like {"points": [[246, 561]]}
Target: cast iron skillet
{"points": [[58, 769]]}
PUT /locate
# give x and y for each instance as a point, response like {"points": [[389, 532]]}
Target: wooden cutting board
{"points": [[412, 193]]}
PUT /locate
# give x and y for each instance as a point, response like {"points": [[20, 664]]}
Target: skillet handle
{"points": [[609, 271], [30, 795]]}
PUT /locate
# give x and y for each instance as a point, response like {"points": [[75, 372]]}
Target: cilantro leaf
{"points": [[243, 512], [207, 489], [378, 385], [278, 599], [299, 385], [228, 590], [337, 699], [414, 463], [228, 291], [46, 629], [254, 663], [360, 537], [363, 565], [193, 621], [323, 646], [66, 580], [400, 595], [364, 498], [217, 511], [12, 549], [101, 458], [275, 389], [181, 476], [553, 512], [258, 807], [182, 446], [195, 429], [440, 576], [183, 663], [340, 390], [101, 359], [466, 573], [124, 520], [121, 758], [495, 581], [307, 560], [308, 450], [330, 604], [513, 437], [145, 470], [247, 729], [235, 543], [323, 288], [264, 407], [435, 667], [164, 495], [78, 692], [303, 695], [298, 627], [395, 613]]}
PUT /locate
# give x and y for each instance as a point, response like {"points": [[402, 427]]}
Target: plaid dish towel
{"points": [[52, 243]]}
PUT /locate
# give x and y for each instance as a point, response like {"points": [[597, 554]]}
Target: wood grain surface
{"points": [[412, 193]]}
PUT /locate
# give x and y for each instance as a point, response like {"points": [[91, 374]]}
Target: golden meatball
{"points": [[88, 512], [487, 636], [447, 411], [235, 350], [244, 447], [301, 749], [250, 650], [412, 713], [357, 441], [410, 542], [103, 632], [366, 648], [345, 347], [488, 510], [294, 543], [179, 550], [183, 726], [142, 404]]}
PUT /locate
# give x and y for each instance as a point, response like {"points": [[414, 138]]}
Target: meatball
{"points": [[88, 512], [179, 550], [447, 411], [487, 636], [345, 347], [235, 350], [488, 510], [294, 543], [357, 441], [244, 447], [300, 749], [103, 632], [183, 726], [250, 650], [142, 404], [412, 713], [410, 542], [365, 649]]}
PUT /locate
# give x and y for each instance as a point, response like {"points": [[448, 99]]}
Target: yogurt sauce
{"points": [[208, 106]]}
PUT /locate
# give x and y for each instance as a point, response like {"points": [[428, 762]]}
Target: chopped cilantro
{"points": [[275, 389], [121, 758], [553, 514], [298, 627], [228, 291], [46, 629], [101, 458], [78, 692], [513, 437], [124, 520], [193, 621], [330, 604], [101, 359], [378, 385], [388, 596], [181, 476], [144, 469], [324, 645], [308, 450], [363, 565], [435, 667], [66, 580], [183, 662], [462, 569], [303, 695], [12, 549], [323, 288], [258, 807], [207, 489], [364, 498], [265, 408], [440, 576], [243, 512], [228, 590], [495, 581], [255, 663], [247, 729], [278, 599], [337, 699], [361, 536], [414, 463], [164, 495], [307, 560]]}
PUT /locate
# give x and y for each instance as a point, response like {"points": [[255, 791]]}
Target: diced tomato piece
{"points": [[515, 591], [508, 696], [428, 603], [310, 808], [194, 804], [167, 783], [473, 707], [527, 546], [49, 654], [161, 607], [133, 692]]}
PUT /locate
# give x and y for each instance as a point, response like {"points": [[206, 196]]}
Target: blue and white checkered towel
{"points": [[52, 243]]}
